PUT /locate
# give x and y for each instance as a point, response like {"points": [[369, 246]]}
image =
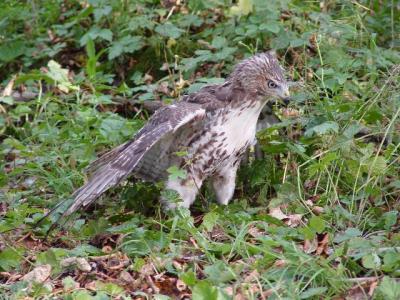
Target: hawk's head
{"points": [[262, 75]]}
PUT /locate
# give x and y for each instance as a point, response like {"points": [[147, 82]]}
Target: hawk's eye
{"points": [[272, 84]]}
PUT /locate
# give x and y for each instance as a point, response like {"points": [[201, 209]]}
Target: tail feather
{"points": [[104, 178], [106, 158]]}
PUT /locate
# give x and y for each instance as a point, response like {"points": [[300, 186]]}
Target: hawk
{"points": [[205, 134]]}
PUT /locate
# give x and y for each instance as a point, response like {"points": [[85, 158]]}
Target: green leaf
{"points": [[391, 261], [169, 30], [160, 297], [317, 224], [371, 261], [22, 110], [60, 76], [273, 27], [95, 33], [11, 50], [377, 165], [175, 173], [311, 292], [69, 283], [10, 258], [390, 219], [308, 233], [204, 291], [127, 44], [219, 42], [389, 288], [347, 235], [189, 278], [243, 8], [219, 272], [82, 295], [110, 288], [324, 128], [7, 100], [210, 220]]}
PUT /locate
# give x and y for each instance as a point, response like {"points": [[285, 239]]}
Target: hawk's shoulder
{"points": [[214, 97]]}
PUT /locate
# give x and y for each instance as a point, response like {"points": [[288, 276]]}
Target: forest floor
{"points": [[316, 218]]}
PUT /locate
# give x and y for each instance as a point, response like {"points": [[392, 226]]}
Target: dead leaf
{"points": [[9, 87], [309, 203], [253, 276], [91, 286], [317, 210], [290, 112], [310, 246], [147, 269], [177, 265], [277, 213], [163, 88], [255, 232], [148, 78], [125, 277], [38, 274], [107, 249], [229, 290], [180, 285], [293, 220], [80, 262], [322, 244], [372, 288], [280, 263]]}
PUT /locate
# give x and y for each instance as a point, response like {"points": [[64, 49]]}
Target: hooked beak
{"points": [[285, 97]]}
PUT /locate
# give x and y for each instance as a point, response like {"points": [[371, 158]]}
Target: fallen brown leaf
{"points": [[38, 274], [322, 244]]}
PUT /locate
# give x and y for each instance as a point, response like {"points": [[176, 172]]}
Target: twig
{"points": [[364, 279]]}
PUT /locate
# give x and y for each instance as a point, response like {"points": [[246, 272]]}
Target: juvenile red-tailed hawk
{"points": [[213, 127]]}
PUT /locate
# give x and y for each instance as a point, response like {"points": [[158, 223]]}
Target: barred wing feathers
{"points": [[114, 166]]}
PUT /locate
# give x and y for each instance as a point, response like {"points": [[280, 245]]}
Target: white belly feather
{"points": [[240, 128]]}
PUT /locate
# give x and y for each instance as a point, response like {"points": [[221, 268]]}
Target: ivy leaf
{"points": [[169, 30], [273, 27], [10, 51], [101, 12], [324, 128], [95, 33], [127, 44], [175, 173]]}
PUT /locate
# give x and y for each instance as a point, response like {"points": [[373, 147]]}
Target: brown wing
{"points": [[113, 167]]}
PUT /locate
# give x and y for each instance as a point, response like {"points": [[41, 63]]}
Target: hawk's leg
{"points": [[224, 183], [187, 190]]}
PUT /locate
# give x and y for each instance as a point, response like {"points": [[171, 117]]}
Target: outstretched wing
{"points": [[113, 167]]}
